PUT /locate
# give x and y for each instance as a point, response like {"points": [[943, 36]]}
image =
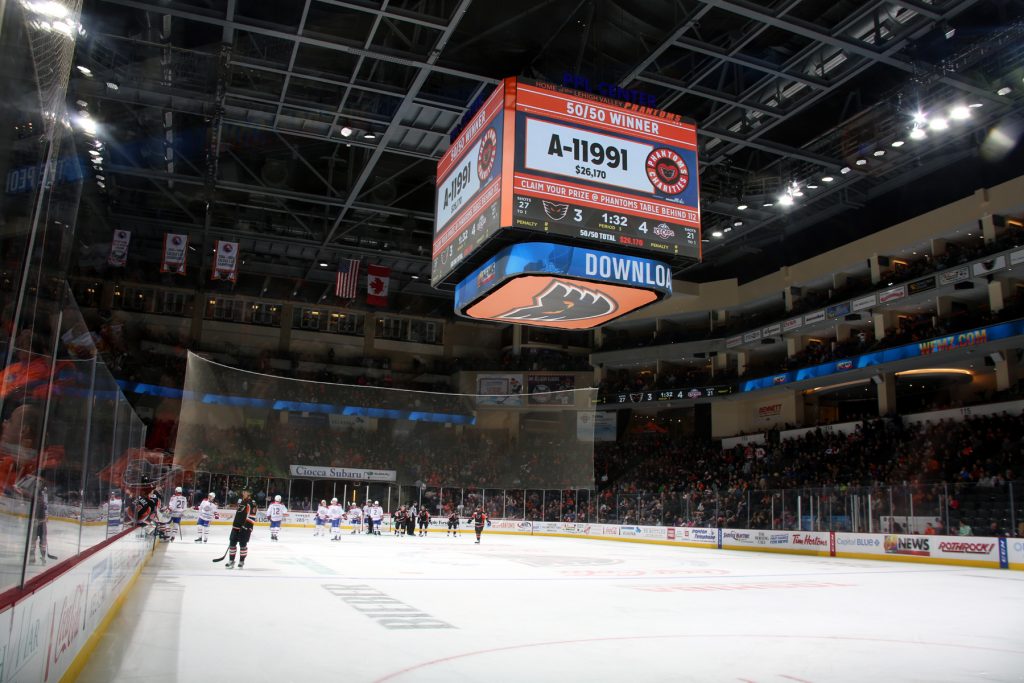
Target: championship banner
{"points": [[541, 389], [499, 390], [225, 264], [119, 248], [175, 253]]}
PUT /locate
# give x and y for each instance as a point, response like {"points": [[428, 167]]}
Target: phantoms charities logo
{"points": [[561, 301]]}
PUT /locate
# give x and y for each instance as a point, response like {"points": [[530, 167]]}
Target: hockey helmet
{"points": [[376, 502], [211, 495], [334, 501], [277, 499], [177, 489], [323, 502]]}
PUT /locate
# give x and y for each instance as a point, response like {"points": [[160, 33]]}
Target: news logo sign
{"points": [[917, 546]]}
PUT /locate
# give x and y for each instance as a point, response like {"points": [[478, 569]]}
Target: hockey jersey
{"points": [[276, 512], [377, 513], [322, 512], [335, 512], [177, 505], [355, 515], [207, 510]]}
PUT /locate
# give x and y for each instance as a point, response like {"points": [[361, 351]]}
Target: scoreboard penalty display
{"points": [[563, 209]]}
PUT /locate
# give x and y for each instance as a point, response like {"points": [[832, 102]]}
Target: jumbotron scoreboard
{"points": [[539, 163]]}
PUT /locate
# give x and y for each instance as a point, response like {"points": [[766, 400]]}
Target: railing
{"points": [[945, 507]]}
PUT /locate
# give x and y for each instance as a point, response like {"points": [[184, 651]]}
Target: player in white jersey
{"points": [[377, 516], [276, 512], [335, 512], [176, 506], [367, 519], [207, 513], [355, 518], [321, 519]]}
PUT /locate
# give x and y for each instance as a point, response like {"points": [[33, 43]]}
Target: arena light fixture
{"points": [[934, 371], [960, 112], [93, 153], [47, 8], [786, 200], [323, 264], [938, 123], [845, 169], [812, 186], [369, 136], [920, 118], [741, 207], [879, 153], [86, 71], [728, 229], [861, 162], [345, 131], [111, 85], [737, 224], [1004, 91], [717, 234], [767, 204], [82, 103], [918, 134], [897, 143], [827, 179], [975, 105]]}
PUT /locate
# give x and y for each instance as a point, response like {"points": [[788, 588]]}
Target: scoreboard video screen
{"points": [[571, 167], [603, 173]]}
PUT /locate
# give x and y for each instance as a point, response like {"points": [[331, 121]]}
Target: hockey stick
{"points": [[51, 557], [221, 558]]}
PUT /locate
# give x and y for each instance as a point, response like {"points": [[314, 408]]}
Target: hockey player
{"points": [[276, 513], [401, 517], [321, 519], [355, 518], [335, 512], [453, 524], [376, 517], [207, 512], [368, 517], [241, 529], [176, 506], [479, 519], [424, 518], [146, 506]]}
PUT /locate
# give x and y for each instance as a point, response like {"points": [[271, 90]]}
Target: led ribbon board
{"points": [[599, 171], [553, 285]]}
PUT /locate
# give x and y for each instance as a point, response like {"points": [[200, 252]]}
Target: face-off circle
{"points": [[487, 154], [667, 171]]}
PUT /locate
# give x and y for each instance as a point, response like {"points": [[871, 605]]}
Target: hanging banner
{"points": [[378, 279], [225, 261], [175, 253], [119, 248]]}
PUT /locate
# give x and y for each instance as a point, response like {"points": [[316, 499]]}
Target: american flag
{"points": [[347, 279]]}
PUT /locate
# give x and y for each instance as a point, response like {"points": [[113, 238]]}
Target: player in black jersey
{"points": [[424, 521], [241, 529], [401, 518], [479, 519], [453, 524]]}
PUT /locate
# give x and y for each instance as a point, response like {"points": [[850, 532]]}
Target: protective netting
{"points": [[238, 422], [52, 27]]}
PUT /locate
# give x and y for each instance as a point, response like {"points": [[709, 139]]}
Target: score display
{"points": [[601, 172], [570, 167]]}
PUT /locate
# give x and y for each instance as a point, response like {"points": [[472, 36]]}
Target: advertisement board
{"points": [[499, 390], [863, 302], [541, 390], [602, 171], [685, 393]]}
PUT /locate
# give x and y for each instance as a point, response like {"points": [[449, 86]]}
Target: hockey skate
{"points": [[198, 540], [241, 564], [230, 564]]}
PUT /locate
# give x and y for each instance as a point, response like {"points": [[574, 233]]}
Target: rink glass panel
{"points": [[256, 425]]}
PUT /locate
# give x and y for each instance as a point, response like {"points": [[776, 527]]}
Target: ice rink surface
{"points": [[522, 608]]}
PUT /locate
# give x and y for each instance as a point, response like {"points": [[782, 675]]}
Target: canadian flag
{"points": [[377, 280]]}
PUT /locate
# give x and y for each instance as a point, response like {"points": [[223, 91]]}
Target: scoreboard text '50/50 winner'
{"points": [[610, 187]]}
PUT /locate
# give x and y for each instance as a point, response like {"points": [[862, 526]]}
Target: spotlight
{"points": [[975, 105], [767, 204], [345, 131], [959, 113], [827, 179], [113, 86], [786, 200], [844, 170], [88, 126], [81, 103], [918, 134], [727, 230], [1002, 92], [920, 117], [812, 186], [323, 264], [737, 224], [94, 153], [741, 207], [938, 124], [369, 136], [717, 233], [861, 162], [85, 71], [948, 30], [879, 153], [897, 143]]}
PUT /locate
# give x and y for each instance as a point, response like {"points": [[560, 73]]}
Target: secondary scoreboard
{"points": [[541, 162]]}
